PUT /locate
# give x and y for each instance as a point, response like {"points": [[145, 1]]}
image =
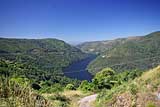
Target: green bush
{"points": [[59, 97], [52, 89], [70, 87], [104, 79], [133, 88], [63, 101], [86, 86], [150, 104]]}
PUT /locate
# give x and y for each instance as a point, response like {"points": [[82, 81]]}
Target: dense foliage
{"points": [[125, 54], [44, 81], [46, 54], [35, 65], [108, 78]]}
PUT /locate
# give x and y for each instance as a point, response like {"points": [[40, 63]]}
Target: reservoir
{"points": [[78, 70]]}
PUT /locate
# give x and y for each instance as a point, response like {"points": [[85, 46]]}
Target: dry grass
{"points": [[145, 91], [13, 95], [151, 74], [149, 84], [150, 80], [73, 96]]}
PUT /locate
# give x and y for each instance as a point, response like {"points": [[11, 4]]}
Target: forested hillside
{"points": [[47, 54], [125, 54], [98, 47], [24, 74]]}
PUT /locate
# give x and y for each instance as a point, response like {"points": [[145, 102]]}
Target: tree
{"points": [[86, 86], [104, 78], [70, 87]]}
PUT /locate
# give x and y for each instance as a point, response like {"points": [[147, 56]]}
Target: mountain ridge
{"points": [[41, 52], [122, 50]]}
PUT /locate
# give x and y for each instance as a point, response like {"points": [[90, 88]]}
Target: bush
{"points": [[52, 89], [104, 79], [70, 87], [86, 86], [21, 81], [14, 95], [63, 101], [150, 104], [133, 88]]}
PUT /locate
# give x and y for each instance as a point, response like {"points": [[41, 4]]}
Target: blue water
{"points": [[77, 70]]}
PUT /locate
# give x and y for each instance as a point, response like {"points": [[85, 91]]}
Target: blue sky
{"points": [[78, 20]]}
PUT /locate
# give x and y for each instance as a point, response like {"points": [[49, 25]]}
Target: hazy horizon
{"points": [[79, 42]]}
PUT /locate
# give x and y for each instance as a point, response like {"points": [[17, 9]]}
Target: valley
{"points": [[79, 53], [62, 75]]}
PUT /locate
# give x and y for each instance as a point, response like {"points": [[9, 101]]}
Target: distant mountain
{"points": [[47, 54], [97, 47], [125, 53]]}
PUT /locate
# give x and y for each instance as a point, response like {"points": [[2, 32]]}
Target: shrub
{"points": [[70, 87], [59, 97], [104, 78], [63, 101], [86, 86], [133, 88], [150, 104], [52, 89], [14, 95]]}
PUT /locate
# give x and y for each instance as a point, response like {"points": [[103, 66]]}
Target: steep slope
{"points": [[129, 53], [140, 92], [48, 54]]}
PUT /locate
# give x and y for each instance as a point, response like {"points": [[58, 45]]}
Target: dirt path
{"points": [[85, 102]]}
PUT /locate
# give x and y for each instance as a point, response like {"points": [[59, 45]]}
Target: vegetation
{"points": [[18, 80], [70, 87], [125, 54], [112, 86], [140, 91], [36, 65], [45, 54], [25, 77], [15, 94], [150, 104], [31, 73], [43, 78], [107, 79], [67, 98], [59, 100]]}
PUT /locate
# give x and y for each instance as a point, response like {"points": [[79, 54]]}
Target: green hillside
{"points": [[30, 68], [140, 92], [47, 54], [98, 47], [126, 54], [22, 86]]}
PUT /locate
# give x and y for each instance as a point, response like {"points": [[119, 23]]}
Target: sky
{"points": [[78, 20]]}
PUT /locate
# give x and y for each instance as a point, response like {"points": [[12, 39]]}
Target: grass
{"points": [[67, 98], [14, 95], [142, 90], [75, 96]]}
